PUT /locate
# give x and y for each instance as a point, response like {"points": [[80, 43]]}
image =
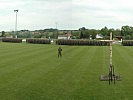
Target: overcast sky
{"points": [[69, 14]]}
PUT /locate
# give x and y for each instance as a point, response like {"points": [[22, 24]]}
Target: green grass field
{"points": [[33, 72]]}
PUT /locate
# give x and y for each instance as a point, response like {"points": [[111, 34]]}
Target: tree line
{"points": [[126, 32], [82, 33]]}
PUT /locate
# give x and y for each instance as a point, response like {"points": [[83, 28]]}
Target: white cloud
{"points": [[70, 14], [100, 13], [35, 14]]}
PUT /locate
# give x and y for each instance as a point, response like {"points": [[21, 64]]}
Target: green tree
{"points": [[82, 32], [3, 33], [117, 32], [94, 33], [125, 30], [81, 35], [104, 31]]}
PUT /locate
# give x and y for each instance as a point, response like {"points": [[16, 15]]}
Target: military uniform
{"points": [[59, 52]]}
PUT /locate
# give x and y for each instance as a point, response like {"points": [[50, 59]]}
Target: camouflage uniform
{"points": [[59, 52]]}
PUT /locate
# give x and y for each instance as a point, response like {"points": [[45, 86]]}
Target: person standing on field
{"points": [[59, 52]]}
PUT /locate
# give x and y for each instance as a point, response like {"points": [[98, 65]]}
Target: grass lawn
{"points": [[33, 72]]}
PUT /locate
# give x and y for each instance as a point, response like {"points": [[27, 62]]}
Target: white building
{"points": [[66, 36], [62, 37], [99, 36]]}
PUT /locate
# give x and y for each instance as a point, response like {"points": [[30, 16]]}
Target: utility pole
{"points": [[15, 31]]}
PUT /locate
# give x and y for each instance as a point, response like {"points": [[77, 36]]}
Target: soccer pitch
{"points": [[34, 72]]}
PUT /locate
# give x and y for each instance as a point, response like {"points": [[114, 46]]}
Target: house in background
{"points": [[9, 36], [99, 36], [66, 36], [69, 35], [62, 37], [119, 38]]}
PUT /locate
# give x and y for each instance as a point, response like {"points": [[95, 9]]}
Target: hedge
{"points": [[127, 42], [82, 42], [13, 40], [38, 41]]}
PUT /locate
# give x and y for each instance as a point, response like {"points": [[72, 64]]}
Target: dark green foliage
{"points": [[104, 31], [38, 41], [128, 37], [82, 42], [3, 33], [126, 30], [24, 35], [37, 35], [13, 40], [127, 43], [50, 30], [88, 33], [81, 35]]}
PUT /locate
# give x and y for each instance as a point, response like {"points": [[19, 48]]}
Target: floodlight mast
{"points": [[16, 11]]}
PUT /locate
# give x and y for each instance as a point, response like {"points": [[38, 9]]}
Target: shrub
{"points": [[38, 41], [82, 42], [13, 40], [127, 42]]}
